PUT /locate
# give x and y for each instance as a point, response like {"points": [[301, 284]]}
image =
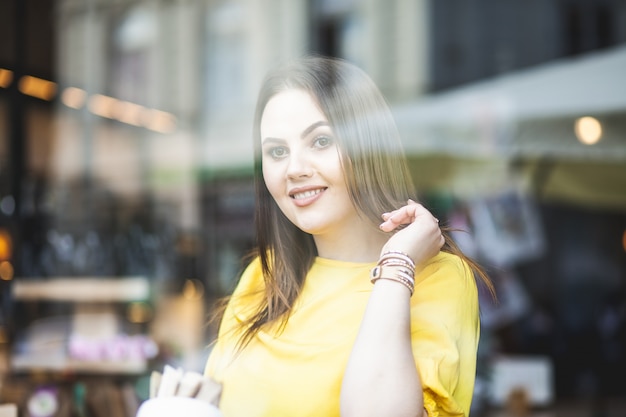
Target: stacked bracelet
{"points": [[397, 257], [395, 266]]}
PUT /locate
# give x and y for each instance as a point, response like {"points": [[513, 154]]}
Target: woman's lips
{"points": [[305, 197]]}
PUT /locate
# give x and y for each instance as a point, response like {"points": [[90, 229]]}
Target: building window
{"points": [[332, 27]]}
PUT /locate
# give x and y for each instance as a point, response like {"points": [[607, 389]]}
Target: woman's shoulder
{"points": [[251, 278], [446, 266], [253, 266], [448, 282], [448, 260], [247, 291]]}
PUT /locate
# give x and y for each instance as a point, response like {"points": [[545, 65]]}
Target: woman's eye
{"points": [[322, 142], [277, 152]]}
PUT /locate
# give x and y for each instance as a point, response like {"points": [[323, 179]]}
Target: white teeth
{"points": [[306, 194]]}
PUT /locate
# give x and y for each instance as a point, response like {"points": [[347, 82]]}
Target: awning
{"points": [[529, 113]]}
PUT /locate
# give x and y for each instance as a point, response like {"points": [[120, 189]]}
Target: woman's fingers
{"points": [[404, 215], [393, 219]]}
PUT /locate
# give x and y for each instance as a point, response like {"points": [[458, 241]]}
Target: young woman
{"points": [[356, 303]]}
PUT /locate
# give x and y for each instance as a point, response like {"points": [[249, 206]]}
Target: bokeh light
{"points": [[588, 130]]}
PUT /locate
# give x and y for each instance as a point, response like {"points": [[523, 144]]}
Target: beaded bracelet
{"points": [[397, 255], [398, 263]]}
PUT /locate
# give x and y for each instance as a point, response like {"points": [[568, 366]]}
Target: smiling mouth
{"points": [[307, 194]]}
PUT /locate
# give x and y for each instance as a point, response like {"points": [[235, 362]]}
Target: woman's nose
{"points": [[299, 165]]}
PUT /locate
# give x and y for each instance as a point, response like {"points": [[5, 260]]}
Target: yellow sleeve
{"points": [[445, 331]]}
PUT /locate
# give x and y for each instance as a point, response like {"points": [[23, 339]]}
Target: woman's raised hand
{"points": [[421, 239]]}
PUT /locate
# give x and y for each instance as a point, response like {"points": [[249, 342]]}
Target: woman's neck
{"points": [[361, 244]]}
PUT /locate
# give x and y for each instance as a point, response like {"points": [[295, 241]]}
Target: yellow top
{"points": [[298, 371]]}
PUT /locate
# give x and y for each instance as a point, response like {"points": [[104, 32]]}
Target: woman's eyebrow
{"points": [[314, 126], [272, 140], [303, 135]]}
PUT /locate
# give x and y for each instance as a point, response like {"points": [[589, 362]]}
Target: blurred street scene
{"points": [[126, 194]]}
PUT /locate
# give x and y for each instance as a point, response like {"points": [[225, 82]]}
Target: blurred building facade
{"points": [[140, 157]]}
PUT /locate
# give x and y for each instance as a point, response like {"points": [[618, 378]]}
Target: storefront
{"points": [[533, 165]]}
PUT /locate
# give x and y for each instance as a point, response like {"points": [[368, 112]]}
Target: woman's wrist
{"points": [[397, 267]]}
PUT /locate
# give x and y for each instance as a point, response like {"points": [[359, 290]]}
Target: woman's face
{"points": [[302, 165]]}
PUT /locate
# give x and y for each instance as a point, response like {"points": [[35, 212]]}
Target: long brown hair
{"points": [[374, 166]]}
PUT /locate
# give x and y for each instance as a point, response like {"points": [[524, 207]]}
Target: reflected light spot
{"points": [[160, 121], [6, 271], [37, 87], [74, 97], [193, 289], [624, 240], [6, 245], [103, 106], [6, 78], [139, 312], [129, 113], [588, 130]]}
